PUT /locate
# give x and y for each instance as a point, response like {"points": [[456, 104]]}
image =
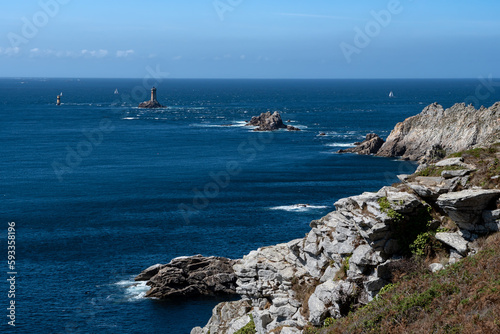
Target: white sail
{"points": [[391, 94], [116, 91]]}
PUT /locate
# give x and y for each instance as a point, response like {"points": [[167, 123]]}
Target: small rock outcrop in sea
{"points": [[190, 276], [370, 145], [455, 129], [150, 105], [153, 103], [270, 122]]}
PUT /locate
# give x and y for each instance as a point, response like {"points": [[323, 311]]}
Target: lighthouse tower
{"points": [[153, 94]]}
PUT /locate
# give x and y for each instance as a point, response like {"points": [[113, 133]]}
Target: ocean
{"points": [[100, 190]]}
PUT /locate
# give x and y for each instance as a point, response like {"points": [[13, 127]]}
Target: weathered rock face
{"points": [[370, 145], [228, 317], [150, 105], [347, 255], [466, 207], [270, 122], [296, 283], [190, 276], [455, 129]]}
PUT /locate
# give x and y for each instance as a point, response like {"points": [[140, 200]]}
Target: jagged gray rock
{"points": [[328, 299], [149, 272], [455, 129], [269, 122], [191, 276], [370, 145], [227, 317], [150, 105], [465, 207], [454, 240]]}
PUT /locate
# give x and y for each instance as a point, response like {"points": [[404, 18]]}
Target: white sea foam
{"points": [[339, 144], [225, 125], [134, 291], [298, 207]]}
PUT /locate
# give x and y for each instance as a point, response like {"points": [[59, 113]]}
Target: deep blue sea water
{"points": [[99, 189]]}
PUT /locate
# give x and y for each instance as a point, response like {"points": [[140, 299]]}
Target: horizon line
{"points": [[242, 78]]}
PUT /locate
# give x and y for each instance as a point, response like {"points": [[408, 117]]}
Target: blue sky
{"points": [[250, 38]]}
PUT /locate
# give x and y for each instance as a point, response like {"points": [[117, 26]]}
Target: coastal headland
{"points": [[433, 219]]}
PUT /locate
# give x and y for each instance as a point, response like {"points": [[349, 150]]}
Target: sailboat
{"points": [[391, 94], [116, 91]]}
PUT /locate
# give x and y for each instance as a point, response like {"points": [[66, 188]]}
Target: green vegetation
{"points": [[342, 273], [488, 165], [249, 328], [436, 171], [462, 298], [475, 152], [385, 206], [413, 233]]}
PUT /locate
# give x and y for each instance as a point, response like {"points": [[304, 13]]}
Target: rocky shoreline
{"points": [[436, 132], [349, 255]]}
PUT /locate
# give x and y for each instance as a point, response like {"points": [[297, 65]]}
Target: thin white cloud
{"points": [[9, 51], [36, 52], [94, 53], [177, 58], [124, 53]]}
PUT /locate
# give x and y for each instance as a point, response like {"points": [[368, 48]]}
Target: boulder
{"points": [[146, 274], [454, 240], [329, 299], [432, 187], [466, 207], [370, 145], [269, 122], [435, 267], [228, 317], [192, 276]]}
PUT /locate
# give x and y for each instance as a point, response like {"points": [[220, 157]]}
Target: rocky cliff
{"points": [[348, 255], [455, 129]]}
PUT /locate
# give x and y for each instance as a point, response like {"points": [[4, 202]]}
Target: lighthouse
{"points": [[153, 103], [153, 94], [58, 100]]}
